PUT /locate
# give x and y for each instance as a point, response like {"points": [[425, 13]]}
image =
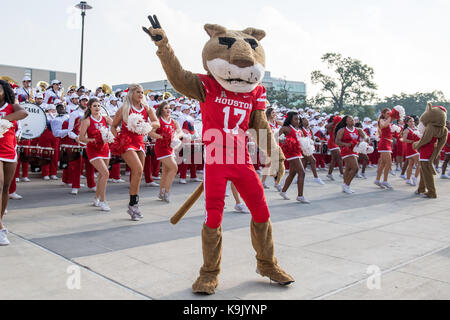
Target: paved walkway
{"points": [[338, 247]]}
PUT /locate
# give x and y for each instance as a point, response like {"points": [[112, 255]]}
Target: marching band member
{"points": [[186, 123], [60, 131], [11, 112], [73, 104], [48, 140], [347, 137], [25, 93], [52, 92], [97, 151], [134, 150], [164, 150], [304, 126], [77, 165], [39, 100], [292, 132]]}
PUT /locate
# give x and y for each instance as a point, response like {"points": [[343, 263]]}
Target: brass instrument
{"points": [[8, 79], [106, 89], [42, 86], [167, 95]]}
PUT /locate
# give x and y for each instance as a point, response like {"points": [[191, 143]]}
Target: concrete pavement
{"points": [[375, 244]]}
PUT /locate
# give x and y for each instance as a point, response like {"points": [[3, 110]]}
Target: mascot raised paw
{"points": [[430, 146], [232, 101]]}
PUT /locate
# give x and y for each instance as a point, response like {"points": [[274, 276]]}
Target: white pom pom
{"points": [[421, 129], [175, 143], [370, 149], [395, 128], [5, 125], [282, 137], [401, 111], [107, 135], [307, 146], [137, 124], [361, 147]]}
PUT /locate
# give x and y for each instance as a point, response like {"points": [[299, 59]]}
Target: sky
{"points": [[405, 41]]}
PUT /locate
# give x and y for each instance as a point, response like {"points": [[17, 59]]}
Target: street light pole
{"points": [[83, 6]]}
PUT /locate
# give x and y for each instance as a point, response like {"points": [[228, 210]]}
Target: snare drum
{"points": [[45, 155], [70, 153]]}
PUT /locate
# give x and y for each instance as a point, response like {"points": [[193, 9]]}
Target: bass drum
{"points": [[34, 125]]}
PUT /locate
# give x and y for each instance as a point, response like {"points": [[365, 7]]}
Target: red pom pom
{"points": [[337, 119], [291, 146], [120, 145], [99, 143]]}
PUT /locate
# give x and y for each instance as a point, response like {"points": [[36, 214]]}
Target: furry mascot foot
{"points": [[267, 266], [208, 280]]}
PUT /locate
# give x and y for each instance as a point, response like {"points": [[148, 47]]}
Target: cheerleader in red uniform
{"points": [[306, 130], [97, 148], [12, 112], [132, 147], [399, 147], [333, 148], [447, 154], [292, 132], [168, 132], [384, 148], [275, 126], [347, 137], [409, 136]]}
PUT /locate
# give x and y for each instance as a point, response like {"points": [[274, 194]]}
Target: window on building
{"points": [[52, 76], [28, 73]]}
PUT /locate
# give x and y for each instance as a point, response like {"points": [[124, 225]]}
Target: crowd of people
{"points": [[157, 137]]}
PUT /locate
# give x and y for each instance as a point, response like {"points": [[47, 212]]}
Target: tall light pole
{"points": [[83, 6]]}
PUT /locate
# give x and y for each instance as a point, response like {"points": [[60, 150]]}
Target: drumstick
{"points": [[187, 205]]}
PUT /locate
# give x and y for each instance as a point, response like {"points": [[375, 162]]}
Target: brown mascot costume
{"points": [[430, 146], [232, 101]]}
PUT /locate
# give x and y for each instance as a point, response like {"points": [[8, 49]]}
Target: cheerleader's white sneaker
{"points": [[278, 187], [387, 185], [265, 186], [284, 195], [303, 200], [104, 206], [378, 183], [96, 202], [240, 207], [319, 181], [444, 176], [3, 237], [403, 176], [15, 196], [330, 176]]}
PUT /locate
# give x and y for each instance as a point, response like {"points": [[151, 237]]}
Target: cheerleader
{"points": [[167, 135], [93, 129], [292, 133], [447, 154], [10, 113], [333, 148], [132, 147], [363, 158], [384, 148], [347, 137], [307, 133], [411, 135], [275, 126], [399, 147]]}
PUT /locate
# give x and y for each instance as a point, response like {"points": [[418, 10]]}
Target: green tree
{"points": [[414, 104], [350, 83]]}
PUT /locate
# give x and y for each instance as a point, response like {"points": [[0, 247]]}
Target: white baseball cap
{"points": [[51, 107], [26, 78], [39, 96], [84, 97], [56, 82], [74, 96], [185, 107]]}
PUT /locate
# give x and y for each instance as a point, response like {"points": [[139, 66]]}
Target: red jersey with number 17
{"points": [[228, 113]]}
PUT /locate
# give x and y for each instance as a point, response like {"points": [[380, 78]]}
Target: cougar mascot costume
{"points": [[430, 146], [232, 101]]}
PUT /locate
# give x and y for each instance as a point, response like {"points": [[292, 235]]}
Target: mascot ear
{"points": [[257, 33], [214, 29], [429, 106]]}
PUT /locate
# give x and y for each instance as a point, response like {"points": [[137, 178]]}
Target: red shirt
{"points": [[8, 142], [93, 150], [228, 114], [350, 136], [427, 150]]}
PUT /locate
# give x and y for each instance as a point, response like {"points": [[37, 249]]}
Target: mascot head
{"points": [[434, 116], [235, 59]]}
